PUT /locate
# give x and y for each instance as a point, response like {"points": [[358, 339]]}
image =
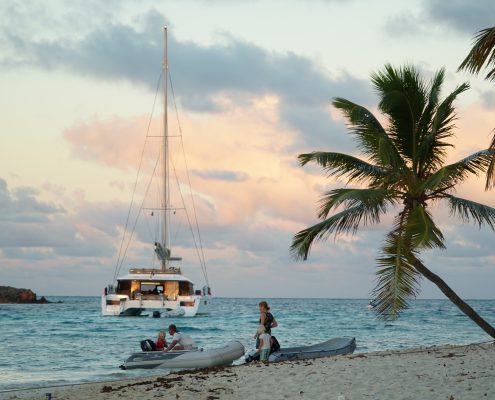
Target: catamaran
{"points": [[164, 290]]}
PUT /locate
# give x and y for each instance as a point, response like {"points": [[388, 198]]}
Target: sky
{"points": [[253, 82]]}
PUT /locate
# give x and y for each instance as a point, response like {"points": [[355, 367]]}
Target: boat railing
{"points": [[153, 271]]}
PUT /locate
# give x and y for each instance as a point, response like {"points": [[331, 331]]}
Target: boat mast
{"points": [[165, 153]]}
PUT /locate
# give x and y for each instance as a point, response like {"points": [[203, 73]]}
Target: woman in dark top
{"points": [[266, 318]]}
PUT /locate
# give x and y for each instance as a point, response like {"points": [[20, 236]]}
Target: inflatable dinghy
{"points": [[200, 358], [332, 347]]}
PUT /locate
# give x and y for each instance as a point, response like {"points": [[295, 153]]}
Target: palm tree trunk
{"points": [[454, 298]]}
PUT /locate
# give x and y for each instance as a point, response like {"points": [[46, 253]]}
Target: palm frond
{"points": [[490, 172], [347, 220], [421, 229], [371, 136], [432, 146], [483, 52], [467, 210], [397, 279], [338, 165], [428, 114], [373, 198], [403, 98], [452, 174]]}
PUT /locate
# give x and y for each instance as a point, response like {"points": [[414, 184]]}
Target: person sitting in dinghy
{"points": [[161, 343], [180, 341]]}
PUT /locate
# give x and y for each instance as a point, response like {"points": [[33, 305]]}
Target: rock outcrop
{"points": [[10, 294]]}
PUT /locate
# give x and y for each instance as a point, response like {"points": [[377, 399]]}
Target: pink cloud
{"points": [[246, 141], [115, 142]]}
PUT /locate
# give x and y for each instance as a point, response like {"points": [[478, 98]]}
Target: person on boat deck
{"points": [[266, 318], [264, 344], [161, 342], [180, 341]]}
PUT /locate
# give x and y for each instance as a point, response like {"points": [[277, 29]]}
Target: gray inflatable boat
{"points": [[199, 358], [332, 347]]}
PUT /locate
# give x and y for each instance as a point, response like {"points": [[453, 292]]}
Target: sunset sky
{"points": [[253, 82]]}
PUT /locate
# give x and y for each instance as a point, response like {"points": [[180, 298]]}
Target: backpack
{"points": [[148, 345], [275, 345]]}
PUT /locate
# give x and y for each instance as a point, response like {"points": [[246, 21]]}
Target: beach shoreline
{"points": [[449, 372]]}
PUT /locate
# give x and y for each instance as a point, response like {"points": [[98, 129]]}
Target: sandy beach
{"points": [[445, 372]]}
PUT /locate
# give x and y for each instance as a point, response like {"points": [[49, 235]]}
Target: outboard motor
{"points": [[148, 345], [156, 314]]}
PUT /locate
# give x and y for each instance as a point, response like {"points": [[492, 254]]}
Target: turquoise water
{"points": [[52, 344]]}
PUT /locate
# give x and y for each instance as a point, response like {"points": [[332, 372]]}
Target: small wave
{"points": [[195, 329]]}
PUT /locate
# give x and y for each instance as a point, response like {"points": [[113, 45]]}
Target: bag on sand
{"points": [[148, 345], [275, 345]]}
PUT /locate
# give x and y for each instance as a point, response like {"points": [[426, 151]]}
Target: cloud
{"points": [[221, 175], [404, 24], [114, 142], [468, 17], [458, 15], [34, 229], [488, 99], [28, 253], [202, 75], [21, 205]]}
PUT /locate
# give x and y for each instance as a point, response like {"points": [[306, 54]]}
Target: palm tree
{"points": [[404, 170], [483, 54]]}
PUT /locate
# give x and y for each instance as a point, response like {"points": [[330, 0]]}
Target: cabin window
{"points": [[171, 289], [135, 289], [185, 288], [124, 287], [151, 288]]}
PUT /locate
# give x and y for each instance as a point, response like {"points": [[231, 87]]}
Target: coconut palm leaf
{"points": [[376, 198], [467, 210], [339, 165], [433, 98], [452, 174], [397, 279], [432, 148], [372, 138], [403, 99], [490, 173], [483, 52], [347, 220], [421, 230]]}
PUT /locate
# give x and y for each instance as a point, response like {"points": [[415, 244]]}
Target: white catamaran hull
{"points": [[187, 306]]}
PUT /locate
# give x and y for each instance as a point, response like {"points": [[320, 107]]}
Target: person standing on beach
{"points": [[180, 341], [264, 344], [266, 318]]}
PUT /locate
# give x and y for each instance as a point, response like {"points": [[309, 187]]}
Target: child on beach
{"points": [[265, 343], [161, 342]]}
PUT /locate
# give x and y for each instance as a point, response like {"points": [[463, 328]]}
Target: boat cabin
{"points": [[154, 285]]}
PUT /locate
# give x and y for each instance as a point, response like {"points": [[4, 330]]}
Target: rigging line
{"points": [[117, 269], [139, 212], [202, 258], [203, 266]]}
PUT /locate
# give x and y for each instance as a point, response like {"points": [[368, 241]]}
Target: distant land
{"points": [[10, 294]]}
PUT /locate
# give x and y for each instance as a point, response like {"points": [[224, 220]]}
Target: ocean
{"points": [[70, 342]]}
